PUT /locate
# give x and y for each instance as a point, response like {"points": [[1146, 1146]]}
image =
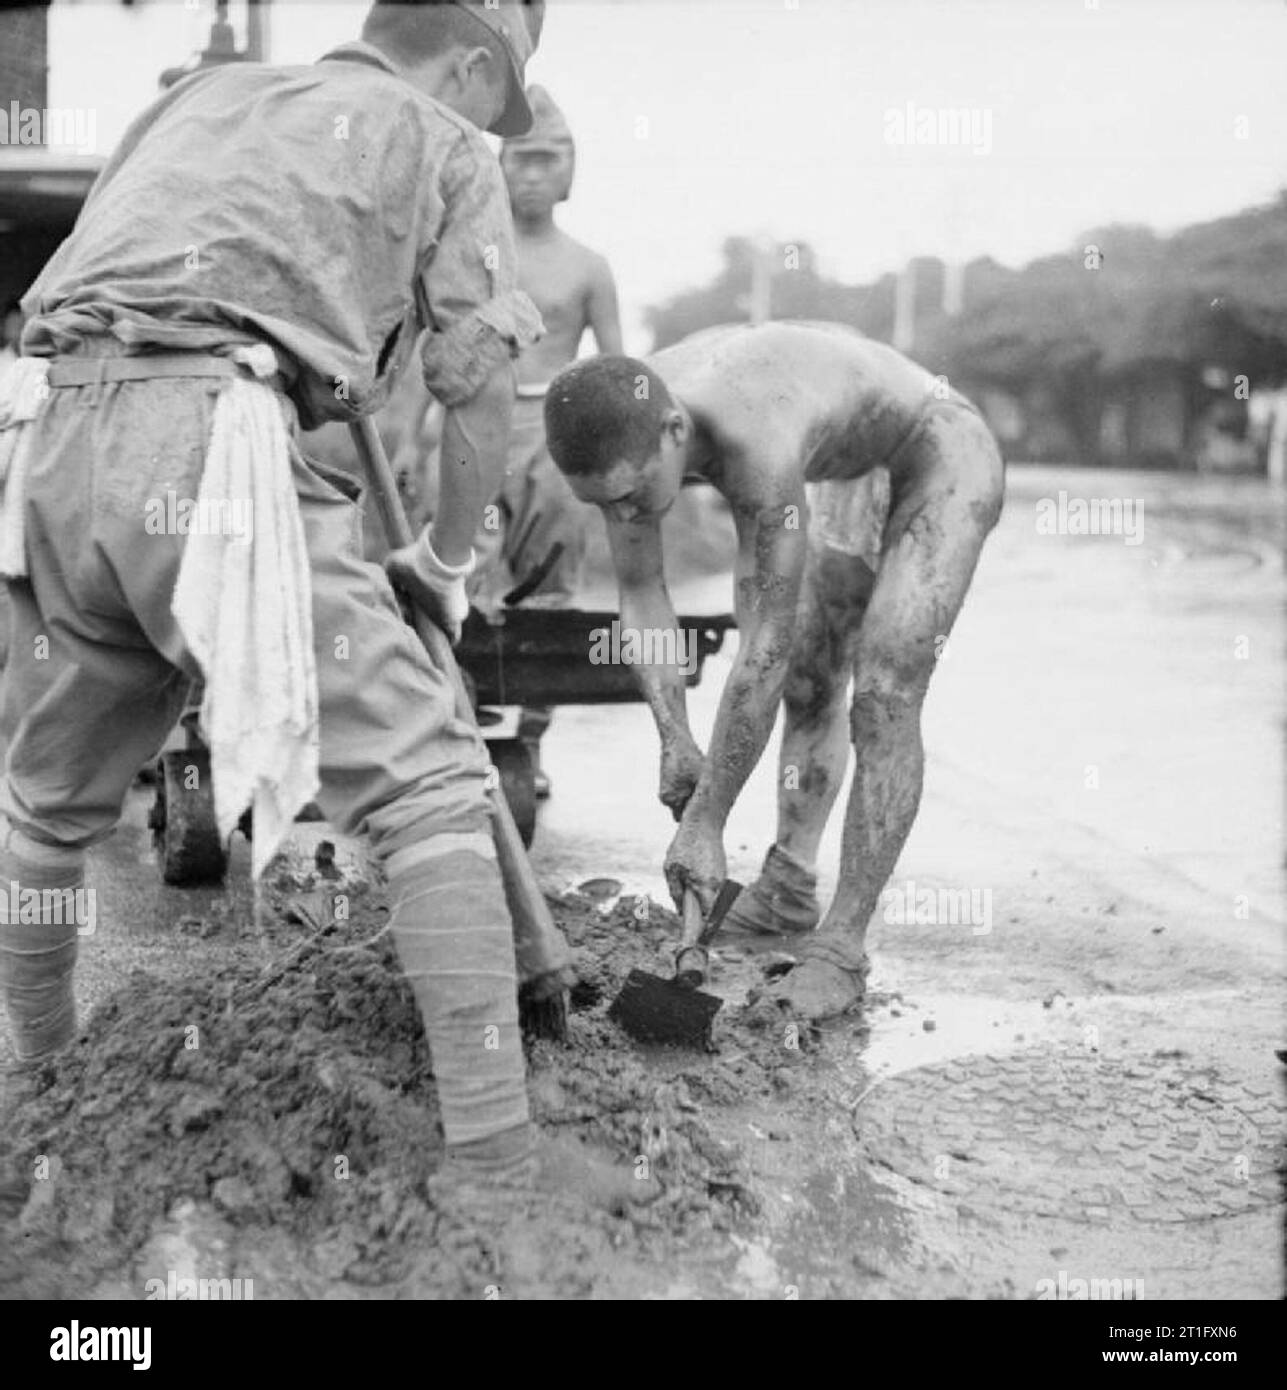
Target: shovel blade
{"points": [[653, 1009]]}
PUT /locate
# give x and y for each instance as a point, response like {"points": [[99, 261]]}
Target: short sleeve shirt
{"points": [[333, 211]]}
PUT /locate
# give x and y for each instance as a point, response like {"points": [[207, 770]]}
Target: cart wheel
{"points": [[514, 764], [182, 820]]}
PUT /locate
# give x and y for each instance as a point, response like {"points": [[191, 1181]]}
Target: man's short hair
{"points": [[603, 410], [413, 30]]}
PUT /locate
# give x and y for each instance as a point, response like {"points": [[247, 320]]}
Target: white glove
{"points": [[436, 588]]}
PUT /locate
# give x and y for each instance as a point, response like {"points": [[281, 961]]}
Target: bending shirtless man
{"points": [[862, 489]]}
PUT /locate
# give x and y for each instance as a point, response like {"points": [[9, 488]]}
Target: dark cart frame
{"points": [[534, 656]]}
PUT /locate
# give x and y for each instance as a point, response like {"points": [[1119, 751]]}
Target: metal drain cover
{"points": [[1080, 1136]]}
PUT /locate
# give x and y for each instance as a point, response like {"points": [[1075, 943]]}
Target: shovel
{"points": [[653, 1009]]}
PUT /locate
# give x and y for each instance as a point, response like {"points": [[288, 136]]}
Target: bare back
{"points": [[793, 402]]}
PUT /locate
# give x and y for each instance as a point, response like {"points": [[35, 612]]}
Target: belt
{"points": [[532, 391], [90, 371]]}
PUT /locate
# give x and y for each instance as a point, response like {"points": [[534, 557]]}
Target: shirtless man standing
{"points": [[573, 288], [811, 432]]}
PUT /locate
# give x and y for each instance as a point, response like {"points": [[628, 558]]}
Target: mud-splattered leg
{"points": [[948, 501], [815, 745], [815, 737]]}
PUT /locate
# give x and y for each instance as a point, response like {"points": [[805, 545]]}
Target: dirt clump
{"points": [[276, 1120]]}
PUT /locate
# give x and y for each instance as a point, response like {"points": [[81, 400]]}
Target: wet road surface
{"points": [[1080, 1081], [1105, 772]]}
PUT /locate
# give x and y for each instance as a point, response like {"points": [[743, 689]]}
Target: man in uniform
{"points": [[262, 251]]}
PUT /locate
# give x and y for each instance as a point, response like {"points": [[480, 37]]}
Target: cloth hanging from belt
{"points": [[243, 596], [23, 390]]}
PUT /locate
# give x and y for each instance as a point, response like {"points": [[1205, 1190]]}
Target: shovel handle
{"points": [[694, 920], [691, 959], [540, 950]]}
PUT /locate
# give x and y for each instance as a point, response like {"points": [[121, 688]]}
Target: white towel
{"points": [[244, 607], [23, 389]]}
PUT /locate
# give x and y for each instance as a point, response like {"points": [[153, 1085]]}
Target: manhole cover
{"points": [[1080, 1136]]}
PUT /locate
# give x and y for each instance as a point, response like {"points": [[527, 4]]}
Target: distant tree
{"points": [[1121, 301], [797, 291]]}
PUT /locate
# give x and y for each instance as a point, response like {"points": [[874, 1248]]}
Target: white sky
{"points": [[769, 116]]}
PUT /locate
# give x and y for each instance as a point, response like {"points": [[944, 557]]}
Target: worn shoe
{"points": [[830, 979], [782, 902]]}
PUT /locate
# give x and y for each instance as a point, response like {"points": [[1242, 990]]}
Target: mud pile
{"points": [[278, 1120]]}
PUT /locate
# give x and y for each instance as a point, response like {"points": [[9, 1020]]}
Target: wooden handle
{"points": [[694, 920], [384, 487], [384, 490], [538, 944], [691, 959]]}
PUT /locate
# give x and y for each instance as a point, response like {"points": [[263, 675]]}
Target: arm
{"points": [[435, 567], [478, 321], [475, 437], [645, 604], [770, 565], [604, 316]]}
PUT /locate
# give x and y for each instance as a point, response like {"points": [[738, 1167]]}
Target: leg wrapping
{"points": [[452, 931], [38, 942]]}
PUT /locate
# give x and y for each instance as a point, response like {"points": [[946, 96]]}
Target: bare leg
{"points": [[815, 745], [533, 720], [948, 502], [815, 737]]}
